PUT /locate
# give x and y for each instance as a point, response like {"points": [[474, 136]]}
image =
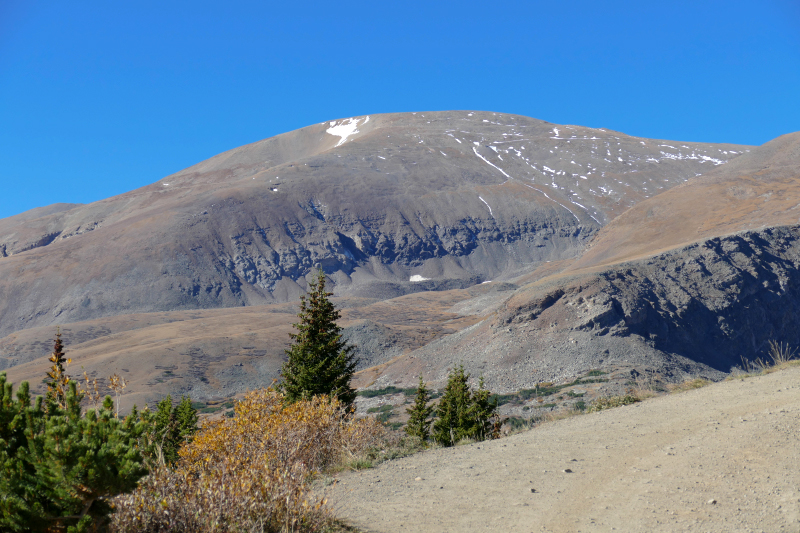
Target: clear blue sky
{"points": [[100, 97]]}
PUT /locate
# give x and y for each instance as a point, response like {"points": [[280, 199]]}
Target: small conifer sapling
{"points": [[419, 422], [173, 426]]}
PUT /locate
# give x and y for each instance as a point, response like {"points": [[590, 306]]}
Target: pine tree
{"points": [[454, 423], [163, 428], [483, 413], [319, 361], [419, 422], [59, 469], [186, 419], [463, 414], [172, 426]]}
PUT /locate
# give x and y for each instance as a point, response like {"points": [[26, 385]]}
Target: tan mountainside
{"points": [[688, 282], [759, 189], [704, 273], [447, 195], [184, 279], [211, 354]]}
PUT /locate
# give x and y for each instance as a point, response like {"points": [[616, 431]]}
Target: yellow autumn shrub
{"points": [[250, 472]]}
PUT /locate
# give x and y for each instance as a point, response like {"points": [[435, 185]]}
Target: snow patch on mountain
{"points": [[345, 128]]}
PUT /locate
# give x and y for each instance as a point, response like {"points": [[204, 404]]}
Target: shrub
{"points": [[609, 402], [517, 423], [386, 391], [59, 468], [385, 415], [250, 472], [382, 409]]}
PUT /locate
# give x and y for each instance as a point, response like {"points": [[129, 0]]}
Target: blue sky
{"points": [[98, 97]]}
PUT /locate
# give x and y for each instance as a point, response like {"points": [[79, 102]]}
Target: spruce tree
{"points": [[173, 426], [163, 428], [483, 413], [419, 422], [463, 414], [318, 361], [186, 419], [453, 412]]}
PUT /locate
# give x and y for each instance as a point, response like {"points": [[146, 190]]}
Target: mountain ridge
{"points": [[245, 227], [446, 237]]}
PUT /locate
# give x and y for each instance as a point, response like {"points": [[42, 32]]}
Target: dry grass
{"points": [[393, 445], [780, 353], [691, 384], [644, 394], [252, 472], [610, 402], [779, 356]]}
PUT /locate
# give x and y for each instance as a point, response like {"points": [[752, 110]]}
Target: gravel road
{"points": [[721, 458]]}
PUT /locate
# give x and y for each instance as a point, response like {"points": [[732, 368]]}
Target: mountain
{"points": [[383, 198], [425, 223], [689, 282]]}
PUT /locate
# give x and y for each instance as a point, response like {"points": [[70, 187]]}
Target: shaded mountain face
{"points": [[381, 203]]}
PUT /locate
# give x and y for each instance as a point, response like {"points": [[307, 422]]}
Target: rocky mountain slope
{"points": [[526, 250], [688, 282], [447, 195]]}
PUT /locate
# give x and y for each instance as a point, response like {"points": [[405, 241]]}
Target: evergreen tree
{"points": [[463, 414], [172, 426], [186, 419], [162, 429], [419, 422], [58, 469], [483, 413], [453, 414], [319, 361]]}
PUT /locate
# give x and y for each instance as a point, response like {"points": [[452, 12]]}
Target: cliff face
{"points": [[693, 311], [713, 302], [462, 196]]}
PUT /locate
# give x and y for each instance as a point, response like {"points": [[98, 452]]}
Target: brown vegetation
{"points": [[250, 472]]}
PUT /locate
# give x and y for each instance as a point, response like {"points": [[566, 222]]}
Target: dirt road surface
{"points": [[722, 458]]}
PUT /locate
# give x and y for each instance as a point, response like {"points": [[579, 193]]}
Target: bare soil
{"points": [[721, 458]]}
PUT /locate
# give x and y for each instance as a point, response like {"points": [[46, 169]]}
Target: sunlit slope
{"points": [[758, 190], [447, 195], [689, 282]]}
